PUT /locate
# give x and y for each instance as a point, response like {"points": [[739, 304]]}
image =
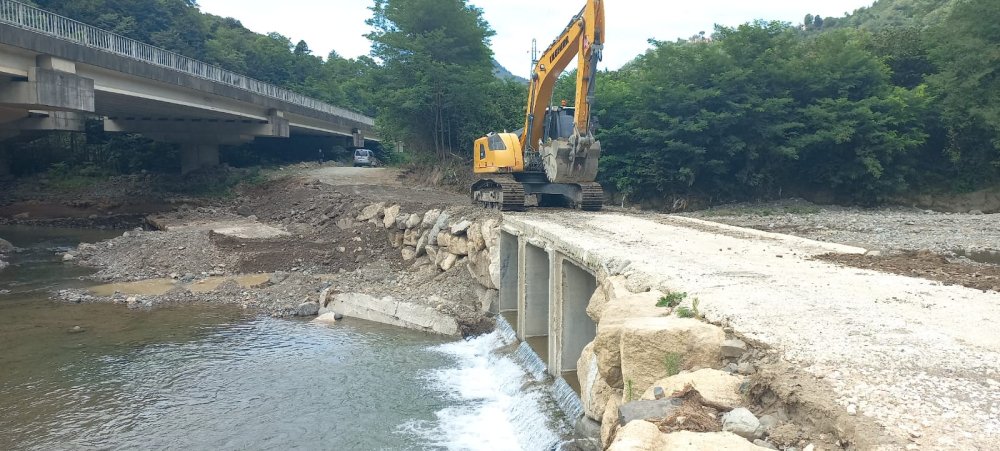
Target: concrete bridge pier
{"points": [[195, 156]]}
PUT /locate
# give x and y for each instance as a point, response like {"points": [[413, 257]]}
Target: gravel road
{"points": [[884, 229]]}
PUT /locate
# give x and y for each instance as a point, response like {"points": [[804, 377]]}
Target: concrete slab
{"points": [[236, 228]]}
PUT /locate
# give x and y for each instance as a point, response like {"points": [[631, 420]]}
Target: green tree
{"points": [[436, 72], [968, 87]]}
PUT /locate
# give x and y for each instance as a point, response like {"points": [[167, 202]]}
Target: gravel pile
{"points": [[887, 229]]}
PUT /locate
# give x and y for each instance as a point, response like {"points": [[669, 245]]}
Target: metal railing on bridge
{"points": [[41, 21]]}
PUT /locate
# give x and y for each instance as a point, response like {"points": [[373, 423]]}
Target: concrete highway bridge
{"points": [[56, 73]]}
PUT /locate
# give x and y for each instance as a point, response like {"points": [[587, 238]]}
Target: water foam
{"points": [[501, 405]]}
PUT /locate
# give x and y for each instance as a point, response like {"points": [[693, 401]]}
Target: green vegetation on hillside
{"points": [[894, 98]]}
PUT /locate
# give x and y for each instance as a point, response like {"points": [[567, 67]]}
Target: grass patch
{"points": [[671, 300], [222, 183], [690, 312], [63, 177], [629, 391], [672, 362]]}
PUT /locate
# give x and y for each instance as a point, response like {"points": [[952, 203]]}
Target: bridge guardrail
{"points": [[35, 19]]}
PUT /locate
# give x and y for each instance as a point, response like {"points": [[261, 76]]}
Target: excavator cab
{"points": [[559, 122], [498, 153]]}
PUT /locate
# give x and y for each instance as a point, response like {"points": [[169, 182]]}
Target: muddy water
{"points": [[193, 377]]}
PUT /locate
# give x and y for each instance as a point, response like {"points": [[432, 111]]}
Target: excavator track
{"points": [[500, 193], [593, 196]]}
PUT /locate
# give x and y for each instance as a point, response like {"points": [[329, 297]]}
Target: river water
{"points": [[195, 377]]}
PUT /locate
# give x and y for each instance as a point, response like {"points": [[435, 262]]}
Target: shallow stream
{"points": [[195, 377]]}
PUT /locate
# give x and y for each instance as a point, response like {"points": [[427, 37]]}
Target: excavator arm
{"points": [[583, 37]]}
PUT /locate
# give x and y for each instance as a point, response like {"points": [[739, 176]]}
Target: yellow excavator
{"points": [[553, 160]]}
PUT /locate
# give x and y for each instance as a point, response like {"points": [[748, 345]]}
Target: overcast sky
{"points": [[340, 24]]}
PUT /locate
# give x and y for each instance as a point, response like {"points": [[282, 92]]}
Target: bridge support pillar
{"points": [[198, 156], [509, 252]]}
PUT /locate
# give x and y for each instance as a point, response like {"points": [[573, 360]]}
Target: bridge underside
{"points": [[47, 84]]}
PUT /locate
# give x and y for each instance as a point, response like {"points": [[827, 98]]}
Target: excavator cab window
{"points": [[559, 123], [496, 143]]}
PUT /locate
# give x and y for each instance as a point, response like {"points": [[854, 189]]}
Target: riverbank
{"points": [[363, 243], [287, 246]]}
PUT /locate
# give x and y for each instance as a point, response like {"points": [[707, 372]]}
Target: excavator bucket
{"points": [[562, 165]]}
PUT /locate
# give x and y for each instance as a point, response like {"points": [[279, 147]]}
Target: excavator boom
{"points": [[583, 37]]}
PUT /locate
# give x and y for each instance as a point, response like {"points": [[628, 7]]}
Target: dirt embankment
{"points": [[300, 232]]}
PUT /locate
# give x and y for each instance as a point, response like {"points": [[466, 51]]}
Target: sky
{"points": [[340, 24]]}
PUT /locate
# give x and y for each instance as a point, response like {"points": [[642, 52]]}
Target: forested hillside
{"points": [[770, 109], [898, 97], [899, 13]]}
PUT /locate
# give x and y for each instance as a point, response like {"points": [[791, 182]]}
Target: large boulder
{"points": [[718, 387], [594, 390], [648, 409], [459, 246], [3, 264], [647, 344], [743, 423], [326, 318], [607, 345], [479, 267], [461, 227], [693, 441], [390, 215], [413, 221], [430, 218], [432, 253], [6, 247], [422, 243], [491, 233], [448, 261], [609, 421], [307, 309], [443, 239], [476, 240], [372, 212], [439, 225], [408, 253], [639, 436], [598, 301], [411, 237]]}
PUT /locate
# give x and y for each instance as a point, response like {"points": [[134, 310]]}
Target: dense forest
{"points": [[899, 97]]}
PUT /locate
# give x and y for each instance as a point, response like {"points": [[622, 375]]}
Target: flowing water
{"points": [[219, 378]]}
